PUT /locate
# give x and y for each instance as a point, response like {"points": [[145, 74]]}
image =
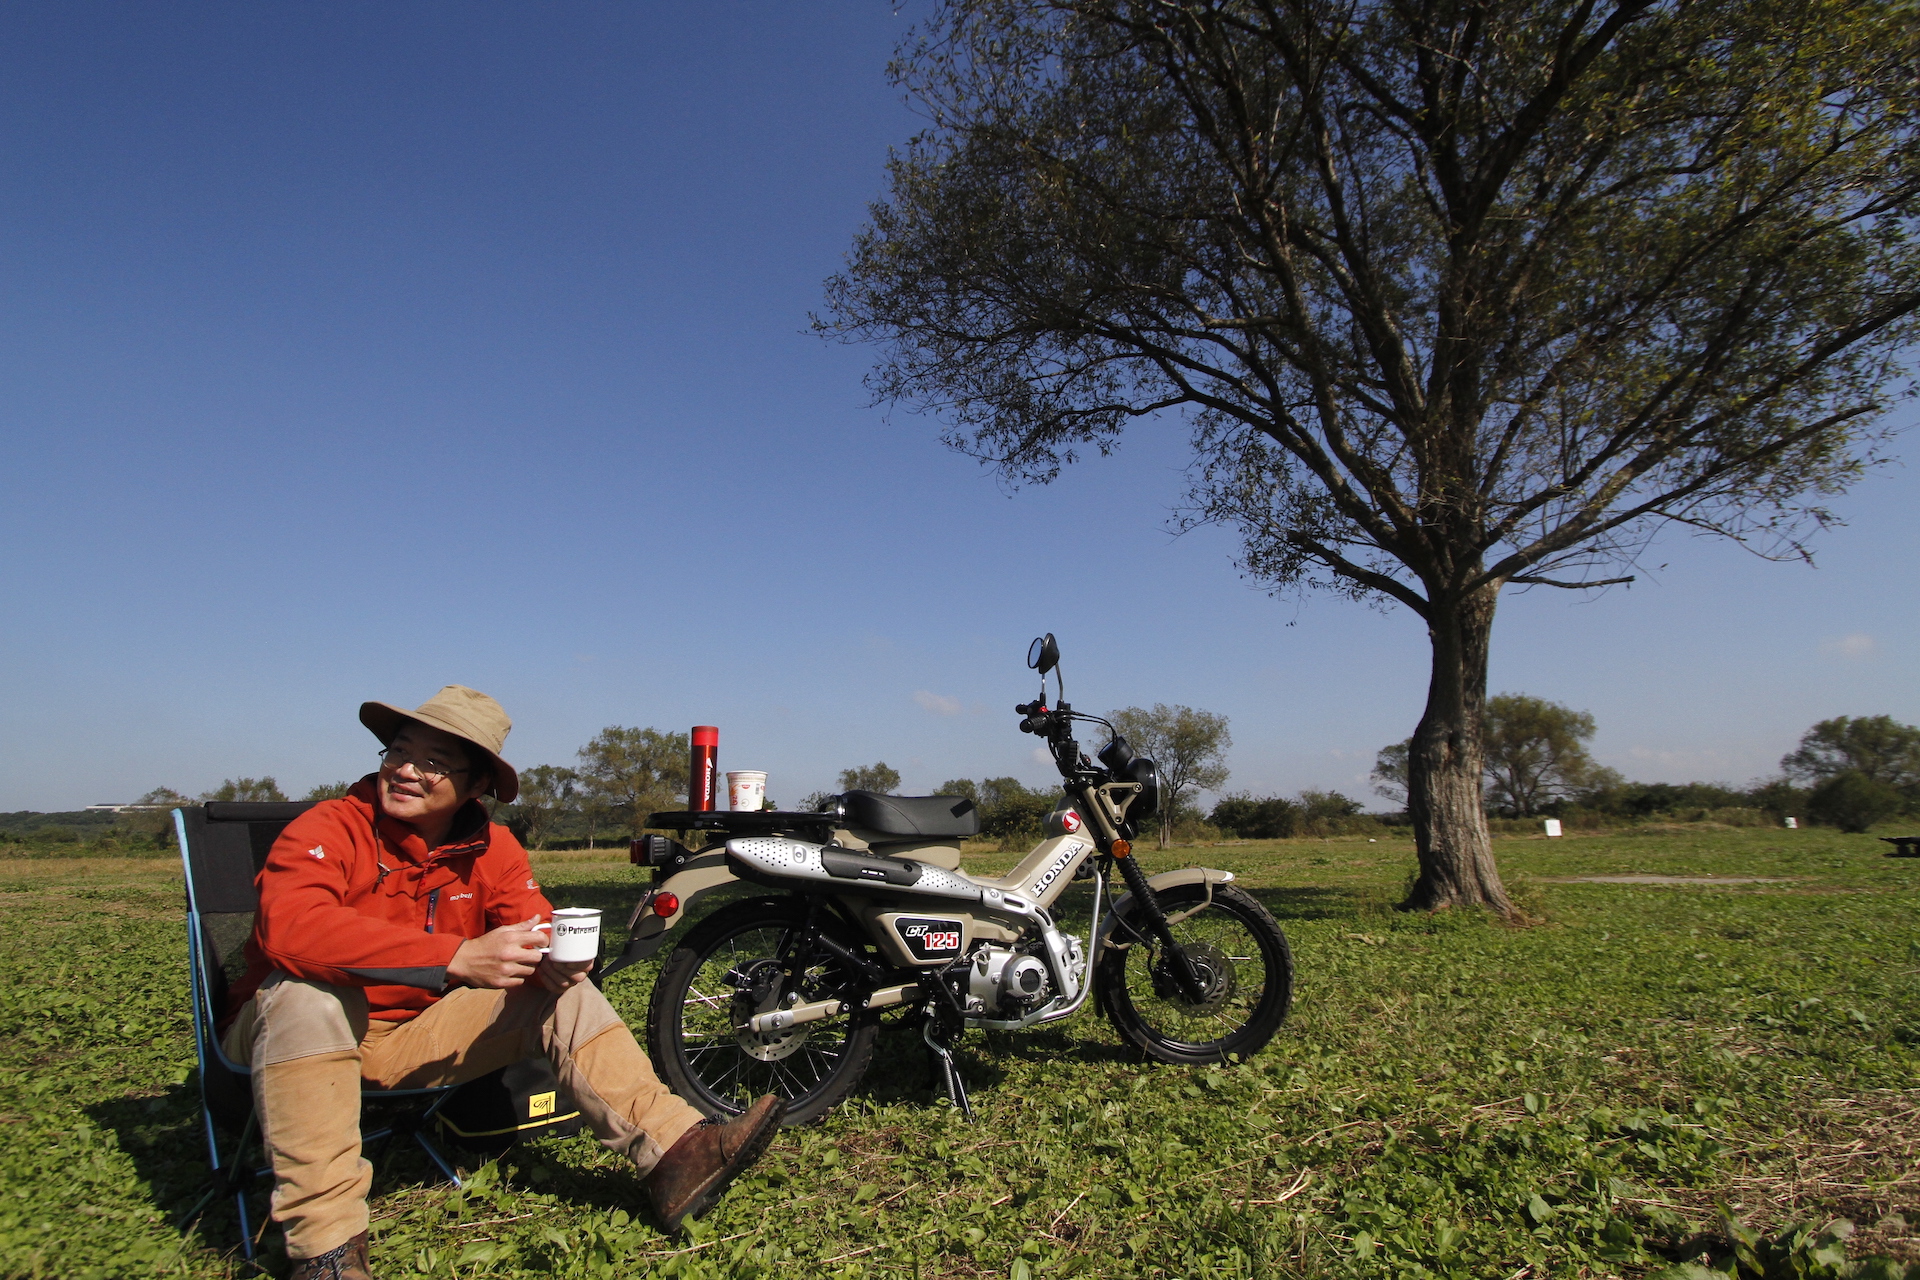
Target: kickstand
{"points": [[949, 1072]]}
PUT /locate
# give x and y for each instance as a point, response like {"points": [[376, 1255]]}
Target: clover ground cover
{"points": [[1452, 1097]]}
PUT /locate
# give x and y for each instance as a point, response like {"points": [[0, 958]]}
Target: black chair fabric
{"points": [[226, 845]]}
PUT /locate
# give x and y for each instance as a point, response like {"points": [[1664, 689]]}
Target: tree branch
{"points": [[1531, 580]]}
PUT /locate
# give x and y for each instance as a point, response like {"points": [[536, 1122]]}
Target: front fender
{"points": [[1208, 876], [648, 932]]}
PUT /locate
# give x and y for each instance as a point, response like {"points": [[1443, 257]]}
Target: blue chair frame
{"points": [[222, 846]]}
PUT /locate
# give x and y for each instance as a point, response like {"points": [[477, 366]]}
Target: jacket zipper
{"points": [[433, 903]]}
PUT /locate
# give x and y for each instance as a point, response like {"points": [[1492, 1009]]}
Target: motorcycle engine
{"points": [[1005, 982]]}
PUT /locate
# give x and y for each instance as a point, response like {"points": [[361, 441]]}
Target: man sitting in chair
{"points": [[394, 948]]}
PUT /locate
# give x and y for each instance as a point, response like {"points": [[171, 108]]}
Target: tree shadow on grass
{"points": [[902, 1070]]}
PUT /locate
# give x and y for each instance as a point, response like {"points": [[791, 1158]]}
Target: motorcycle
{"points": [[871, 912]]}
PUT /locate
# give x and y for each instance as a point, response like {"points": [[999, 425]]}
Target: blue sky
{"points": [[347, 350]]}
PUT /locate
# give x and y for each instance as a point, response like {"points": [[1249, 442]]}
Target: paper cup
{"points": [[746, 790], [575, 934]]}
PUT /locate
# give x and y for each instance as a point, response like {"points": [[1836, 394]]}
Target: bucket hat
{"points": [[468, 715]]}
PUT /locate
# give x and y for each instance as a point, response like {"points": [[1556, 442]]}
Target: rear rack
{"points": [[750, 822]]}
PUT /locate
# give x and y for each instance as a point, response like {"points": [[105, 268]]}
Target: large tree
{"points": [[881, 777], [1452, 294], [1537, 753], [548, 794], [1879, 748], [1188, 745], [256, 790], [636, 771]]}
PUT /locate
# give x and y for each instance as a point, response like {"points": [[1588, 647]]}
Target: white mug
{"points": [[575, 934]]}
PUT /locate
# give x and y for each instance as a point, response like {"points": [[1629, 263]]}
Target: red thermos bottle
{"points": [[700, 777]]}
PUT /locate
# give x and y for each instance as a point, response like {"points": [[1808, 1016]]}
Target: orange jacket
{"points": [[353, 898]]}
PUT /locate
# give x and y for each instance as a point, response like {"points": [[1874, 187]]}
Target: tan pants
{"points": [[312, 1048]]}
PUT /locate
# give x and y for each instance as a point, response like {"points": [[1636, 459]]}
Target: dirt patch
{"points": [[1647, 879]]}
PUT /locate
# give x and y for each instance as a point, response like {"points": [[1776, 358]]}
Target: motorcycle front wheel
{"points": [[1245, 967], [722, 973]]}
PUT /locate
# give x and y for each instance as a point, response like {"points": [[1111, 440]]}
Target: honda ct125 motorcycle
{"points": [[869, 911]]}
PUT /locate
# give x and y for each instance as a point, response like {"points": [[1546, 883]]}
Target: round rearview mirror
{"points": [[1043, 655]]}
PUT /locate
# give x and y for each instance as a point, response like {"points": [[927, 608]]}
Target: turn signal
{"points": [[665, 904], [1121, 848]]}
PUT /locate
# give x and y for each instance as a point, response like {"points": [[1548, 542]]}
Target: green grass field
{"points": [[1451, 1097]]}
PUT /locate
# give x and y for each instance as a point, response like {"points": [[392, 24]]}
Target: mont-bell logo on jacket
{"points": [[317, 852]]}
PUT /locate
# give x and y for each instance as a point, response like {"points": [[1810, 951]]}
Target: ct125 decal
{"points": [[928, 937]]}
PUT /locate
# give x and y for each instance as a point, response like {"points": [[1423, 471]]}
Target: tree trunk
{"points": [[1446, 763]]}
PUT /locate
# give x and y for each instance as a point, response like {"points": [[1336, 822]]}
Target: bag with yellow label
{"points": [[514, 1104]]}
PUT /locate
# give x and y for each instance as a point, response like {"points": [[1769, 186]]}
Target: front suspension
{"points": [[1184, 976]]}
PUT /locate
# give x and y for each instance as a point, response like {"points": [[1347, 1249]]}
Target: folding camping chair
{"points": [[223, 846]]}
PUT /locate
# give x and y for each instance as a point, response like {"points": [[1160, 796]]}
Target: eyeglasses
{"points": [[429, 769]]}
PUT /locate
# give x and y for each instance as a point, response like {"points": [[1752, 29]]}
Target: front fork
{"points": [[1180, 967], [1119, 849]]}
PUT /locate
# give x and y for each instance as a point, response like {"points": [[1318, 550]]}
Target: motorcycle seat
{"points": [[938, 816]]}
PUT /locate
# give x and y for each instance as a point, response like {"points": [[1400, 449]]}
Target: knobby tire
{"points": [[1250, 1003]]}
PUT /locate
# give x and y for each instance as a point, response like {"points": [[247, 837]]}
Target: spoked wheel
{"points": [[732, 966], [1245, 969]]}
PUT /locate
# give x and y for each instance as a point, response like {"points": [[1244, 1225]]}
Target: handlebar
{"points": [[1038, 718]]}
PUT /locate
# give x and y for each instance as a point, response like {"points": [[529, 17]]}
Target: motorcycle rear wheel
{"points": [[1244, 960], [704, 992]]}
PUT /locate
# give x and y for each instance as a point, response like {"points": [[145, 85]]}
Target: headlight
{"points": [[1147, 803]]}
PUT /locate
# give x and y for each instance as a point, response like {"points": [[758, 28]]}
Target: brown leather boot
{"points": [[342, 1262], [691, 1176]]}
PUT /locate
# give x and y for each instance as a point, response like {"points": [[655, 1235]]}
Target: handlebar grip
{"points": [[1034, 723]]}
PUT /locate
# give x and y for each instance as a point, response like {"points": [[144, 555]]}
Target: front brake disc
{"points": [[1217, 979]]}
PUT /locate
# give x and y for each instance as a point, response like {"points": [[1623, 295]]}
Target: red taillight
{"points": [[665, 904]]}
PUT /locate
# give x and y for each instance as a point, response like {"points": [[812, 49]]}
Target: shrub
{"points": [[1313, 813], [1852, 801], [1191, 828], [1246, 818], [1011, 813], [1780, 798]]}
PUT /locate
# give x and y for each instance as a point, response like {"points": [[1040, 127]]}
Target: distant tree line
{"points": [[623, 775], [1187, 745], [1311, 813], [1848, 772], [1010, 811]]}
